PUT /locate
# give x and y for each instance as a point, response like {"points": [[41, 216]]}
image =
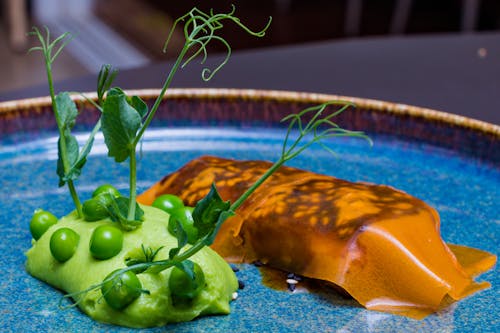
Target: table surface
{"points": [[454, 73]]}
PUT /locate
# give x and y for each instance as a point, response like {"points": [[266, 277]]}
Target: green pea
{"points": [[183, 286], [184, 216], [63, 244], [168, 203], [106, 188], [40, 222], [106, 242], [121, 291], [95, 209]]}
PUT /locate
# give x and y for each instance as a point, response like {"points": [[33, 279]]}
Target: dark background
{"points": [[434, 58], [298, 21]]}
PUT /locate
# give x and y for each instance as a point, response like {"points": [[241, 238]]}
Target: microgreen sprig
{"points": [[317, 130], [70, 158], [126, 119], [199, 30]]}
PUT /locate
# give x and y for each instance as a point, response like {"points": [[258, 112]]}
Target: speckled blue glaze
{"points": [[464, 191]]}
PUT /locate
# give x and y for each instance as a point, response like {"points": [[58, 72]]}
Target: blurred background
{"points": [[130, 33]]}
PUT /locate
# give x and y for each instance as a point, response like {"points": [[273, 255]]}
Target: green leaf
{"points": [[173, 252], [182, 239], [135, 101], [222, 218], [180, 234], [120, 123], [138, 104], [76, 168], [118, 211], [71, 156], [187, 266], [104, 80], [116, 91], [209, 211], [82, 157], [75, 159], [67, 111]]}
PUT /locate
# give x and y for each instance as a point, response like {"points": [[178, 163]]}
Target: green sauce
{"points": [[156, 309]]}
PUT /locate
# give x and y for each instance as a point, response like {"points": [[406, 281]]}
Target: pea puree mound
{"points": [[155, 309]]}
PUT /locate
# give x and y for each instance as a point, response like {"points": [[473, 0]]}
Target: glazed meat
{"points": [[380, 244]]}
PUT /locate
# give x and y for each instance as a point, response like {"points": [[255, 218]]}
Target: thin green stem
{"points": [[140, 133], [90, 100], [92, 134], [158, 100], [75, 198], [133, 186], [207, 25], [62, 142], [167, 263], [259, 182]]}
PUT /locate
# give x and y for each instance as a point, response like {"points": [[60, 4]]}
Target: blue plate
{"points": [[462, 186]]}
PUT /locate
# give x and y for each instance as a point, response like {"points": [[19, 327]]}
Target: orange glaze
{"points": [[380, 244]]}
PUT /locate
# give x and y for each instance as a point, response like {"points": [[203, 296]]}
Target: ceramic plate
{"points": [[450, 162]]}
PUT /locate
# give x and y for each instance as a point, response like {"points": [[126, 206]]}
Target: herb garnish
{"points": [[70, 158], [122, 121]]}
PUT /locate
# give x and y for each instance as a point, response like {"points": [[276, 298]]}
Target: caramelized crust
{"points": [[380, 244]]}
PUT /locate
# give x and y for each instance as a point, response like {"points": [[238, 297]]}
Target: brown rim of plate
{"points": [[476, 139], [280, 96]]}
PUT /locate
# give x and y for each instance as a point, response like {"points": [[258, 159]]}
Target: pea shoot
{"points": [[71, 159], [125, 119]]}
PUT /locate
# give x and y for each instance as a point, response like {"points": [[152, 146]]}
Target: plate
{"points": [[452, 163]]}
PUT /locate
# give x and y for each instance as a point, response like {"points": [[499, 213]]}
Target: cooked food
{"points": [[381, 245]]}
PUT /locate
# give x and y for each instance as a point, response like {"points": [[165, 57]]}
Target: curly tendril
{"points": [[200, 29]]}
